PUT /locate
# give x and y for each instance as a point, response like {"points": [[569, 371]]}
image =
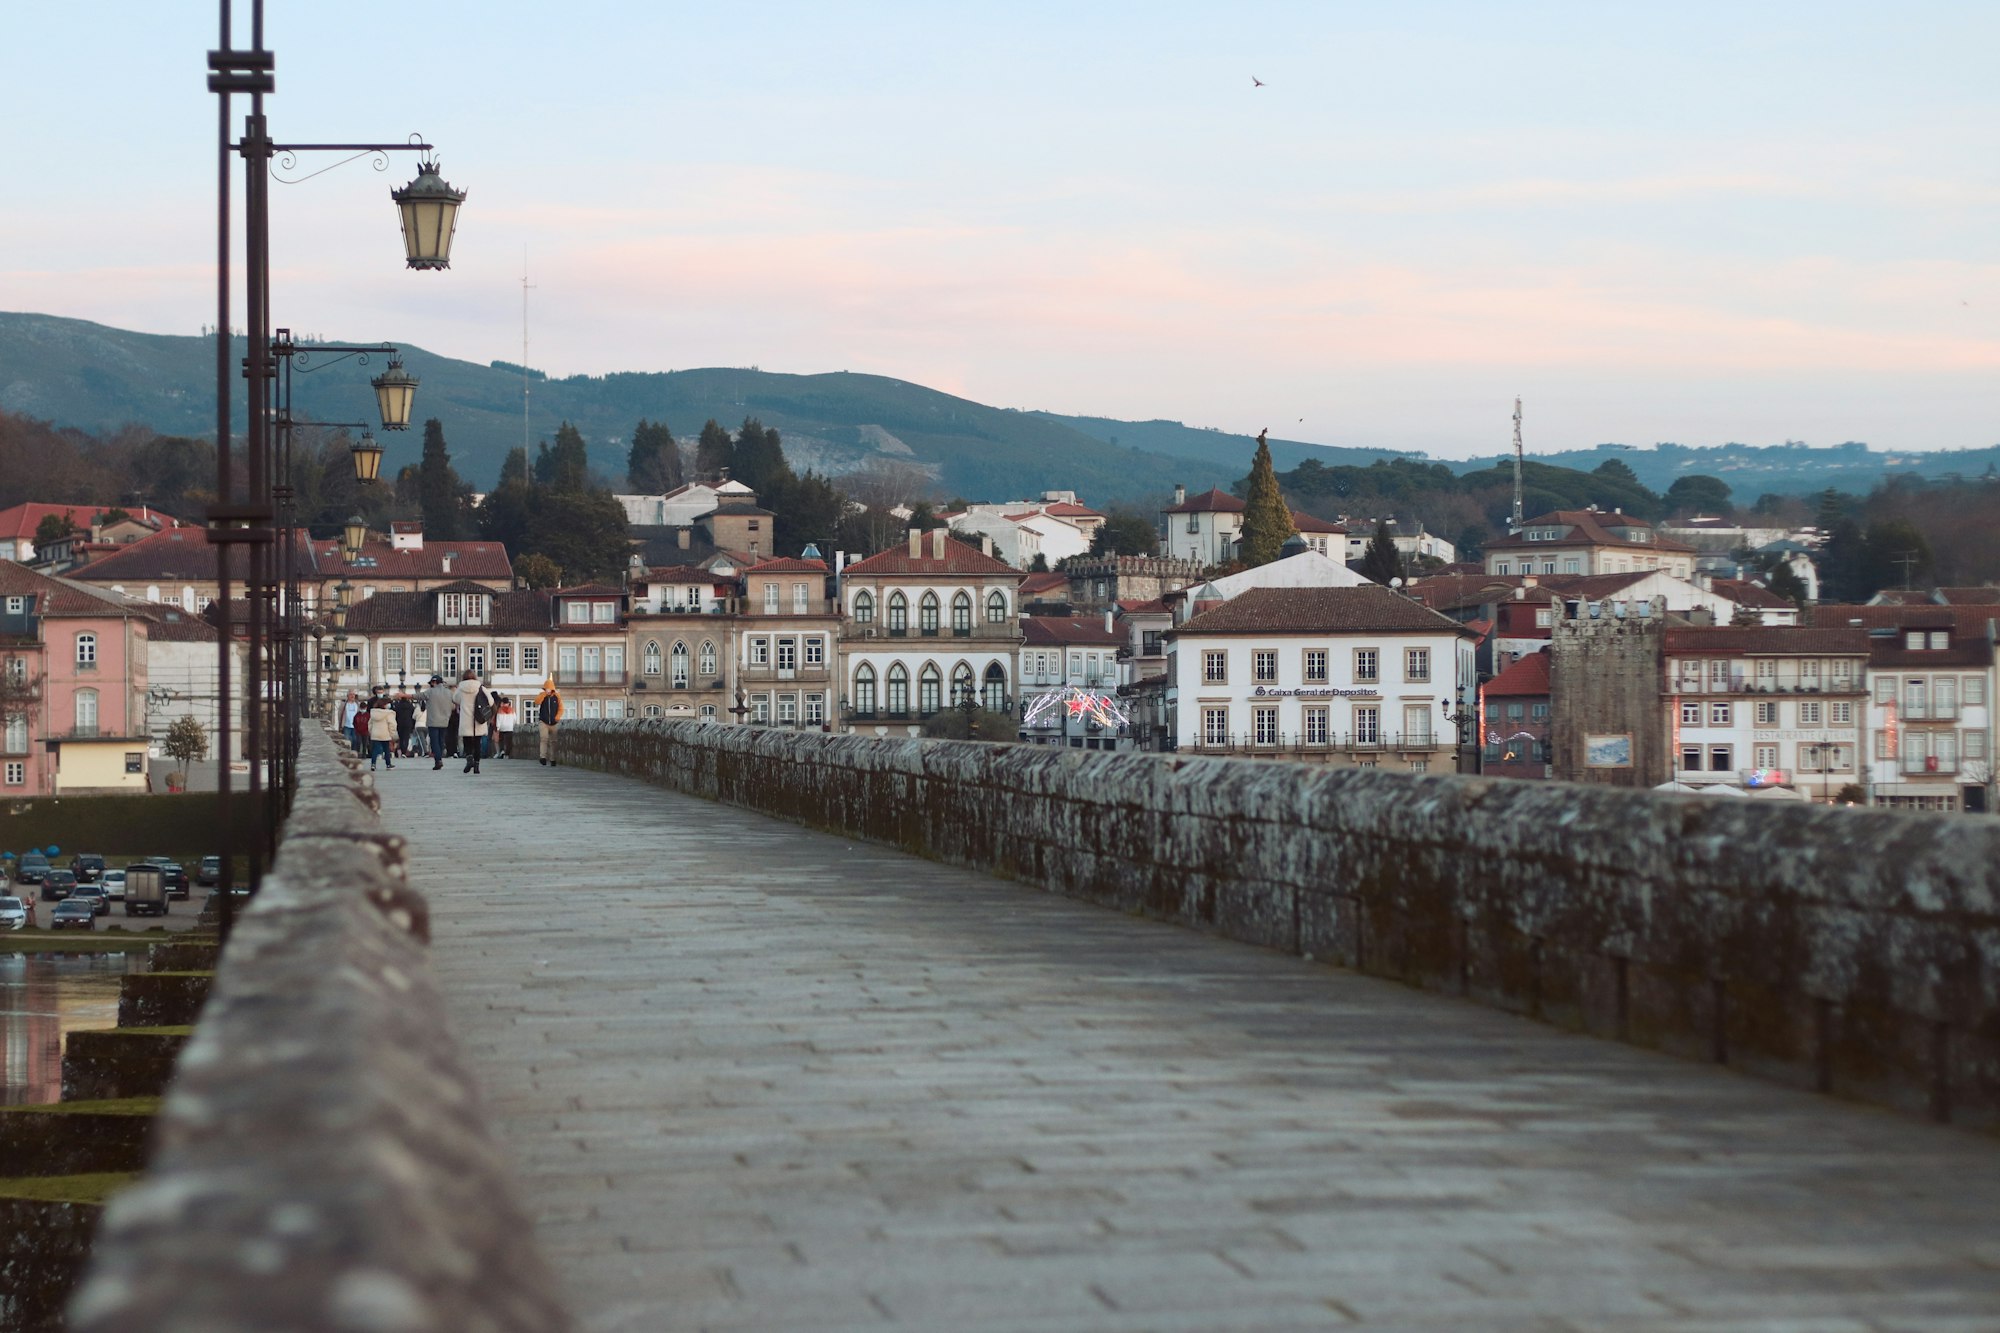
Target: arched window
{"points": [[996, 607], [707, 657], [864, 607], [927, 613], [708, 712], [996, 688], [962, 685], [86, 650], [899, 613], [651, 657], [654, 710], [930, 689], [864, 690], [961, 613], [86, 712], [899, 691], [679, 680]]}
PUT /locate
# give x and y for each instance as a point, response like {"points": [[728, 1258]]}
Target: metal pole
{"points": [[224, 486]]}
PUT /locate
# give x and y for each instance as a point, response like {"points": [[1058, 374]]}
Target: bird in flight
{"points": [[1256, 82]]}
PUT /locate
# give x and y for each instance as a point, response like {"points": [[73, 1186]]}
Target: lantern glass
{"points": [[339, 616], [356, 533], [395, 394], [367, 459], [429, 209]]}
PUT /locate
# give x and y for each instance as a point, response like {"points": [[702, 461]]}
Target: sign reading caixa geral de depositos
{"points": [[1313, 692]]}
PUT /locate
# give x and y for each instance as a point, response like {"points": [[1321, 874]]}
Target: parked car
{"points": [[145, 890], [58, 885], [88, 866], [92, 894], [177, 879], [209, 873], [33, 870], [13, 914], [113, 885], [73, 914]]}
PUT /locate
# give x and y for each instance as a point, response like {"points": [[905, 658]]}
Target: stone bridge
{"points": [[670, 1061]]}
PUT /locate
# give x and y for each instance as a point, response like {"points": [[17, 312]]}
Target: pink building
{"points": [[72, 688]]}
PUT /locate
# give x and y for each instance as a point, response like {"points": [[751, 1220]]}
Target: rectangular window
{"points": [[448, 608], [392, 658], [448, 662], [1767, 756], [1940, 638], [503, 657], [815, 652], [531, 658], [799, 606], [1720, 758], [1417, 664], [1885, 689], [420, 657], [1424, 765], [350, 660], [1367, 666], [1264, 724], [1316, 666], [592, 708], [760, 652], [1417, 724], [1691, 758], [614, 710], [815, 709], [14, 737], [1215, 726], [1944, 697], [1913, 639], [576, 613], [1767, 669], [1841, 715], [17, 606], [788, 709], [17, 774], [1809, 714], [1315, 726], [135, 761], [1718, 715], [770, 599], [1767, 715], [1809, 672], [788, 654], [1367, 726], [1690, 715], [614, 662], [1264, 666], [1215, 668], [604, 613], [475, 659], [1975, 745]]}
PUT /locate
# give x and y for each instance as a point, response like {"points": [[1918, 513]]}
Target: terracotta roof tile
{"points": [[1367, 609], [789, 565], [958, 558], [1213, 501], [390, 612], [1040, 631], [1766, 640], [1527, 677]]}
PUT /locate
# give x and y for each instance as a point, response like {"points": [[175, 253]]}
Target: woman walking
{"points": [[475, 715], [381, 735]]}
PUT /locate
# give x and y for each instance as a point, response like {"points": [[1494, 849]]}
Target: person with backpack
{"points": [[475, 716], [548, 712]]}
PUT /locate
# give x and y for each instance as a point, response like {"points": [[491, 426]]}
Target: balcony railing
{"points": [[1917, 764], [1425, 742]]}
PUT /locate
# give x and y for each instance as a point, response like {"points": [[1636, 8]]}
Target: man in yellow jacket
{"points": [[548, 712]]}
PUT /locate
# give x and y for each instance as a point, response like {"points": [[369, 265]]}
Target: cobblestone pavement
{"points": [[763, 1079]]}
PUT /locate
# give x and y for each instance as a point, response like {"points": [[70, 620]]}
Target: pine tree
{"points": [[714, 453], [437, 486], [1266, 520], [566, 467], [653, 465], [760, 458], [1381, 561], [515, 468]]}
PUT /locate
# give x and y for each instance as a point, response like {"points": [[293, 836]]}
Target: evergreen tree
{"points": [[760, 459], [515, 468], [714, 453], [808, 509], [653, 465], [1125, 533], [1381, 561], [1266, 520], [437, 486], [566, 467]]}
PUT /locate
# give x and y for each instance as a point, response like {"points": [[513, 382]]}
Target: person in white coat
{"points": [[471, 728]]}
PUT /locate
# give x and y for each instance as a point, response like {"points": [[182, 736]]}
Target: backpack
{"points": [[482, 709], [551, 710]]}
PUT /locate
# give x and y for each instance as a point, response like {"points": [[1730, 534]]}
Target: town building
{"points": [[1417, 550], [183, 679], [405, 562], [1605, 688], [1203, 529], [1054, 528], [1061, 655], [1766, 707], [1588, 541], [921, 624], [1100, 581], [1514, 716], [19, 523], [1300, 567], [73, 686], [680, 507], [786, 645], [1342, 675]]}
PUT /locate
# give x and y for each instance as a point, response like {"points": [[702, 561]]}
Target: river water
{"points": [[44, 996]]}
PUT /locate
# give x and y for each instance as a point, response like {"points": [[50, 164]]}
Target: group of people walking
{"points": [[446, 722]]}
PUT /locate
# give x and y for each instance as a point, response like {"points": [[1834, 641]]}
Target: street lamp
{"points": [[966, 699], [430, 217], [367, 459], [352, 535], [395, 393]]}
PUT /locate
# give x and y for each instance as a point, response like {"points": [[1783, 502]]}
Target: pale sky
{"points": [[1685, 222]]}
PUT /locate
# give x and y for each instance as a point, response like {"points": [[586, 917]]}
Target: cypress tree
{"points": [[653, 465], [437, 486], [714, 453], [1381, 561], [1266, 520]]}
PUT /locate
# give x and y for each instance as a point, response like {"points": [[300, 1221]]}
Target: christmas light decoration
{"points": [[1088, 704]]}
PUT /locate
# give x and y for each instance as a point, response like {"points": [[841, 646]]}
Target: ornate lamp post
{"points": [[966, 700], [395, 392], [430, 217], [353, 534]]}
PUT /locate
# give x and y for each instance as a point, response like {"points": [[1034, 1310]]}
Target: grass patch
{"points": [[94, 1188], [116, 1106], [183, 1031], [41, 940]]}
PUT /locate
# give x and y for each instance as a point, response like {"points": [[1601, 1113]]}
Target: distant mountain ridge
{"points": [[97, 378]]}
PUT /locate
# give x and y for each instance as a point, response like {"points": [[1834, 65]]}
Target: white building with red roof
{"points": [[1588, 541], [18, 524], [922, 624], [1202, 528]]}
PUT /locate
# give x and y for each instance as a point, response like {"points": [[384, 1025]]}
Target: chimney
{"points": [[682, 537], [1109, 628], [447, 558], [985, 544], [916, 544], [1180, 494], [938, 538]]}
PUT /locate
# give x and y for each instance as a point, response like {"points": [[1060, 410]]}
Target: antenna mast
{"points": [[527, 287], [1518, 520]]}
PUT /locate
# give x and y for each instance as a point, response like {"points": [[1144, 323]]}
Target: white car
{"points": [[13, 914], [112, 882]]}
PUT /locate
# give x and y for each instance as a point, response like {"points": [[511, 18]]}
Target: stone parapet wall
{"points": [[320, 1161], [1853, 951]]}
